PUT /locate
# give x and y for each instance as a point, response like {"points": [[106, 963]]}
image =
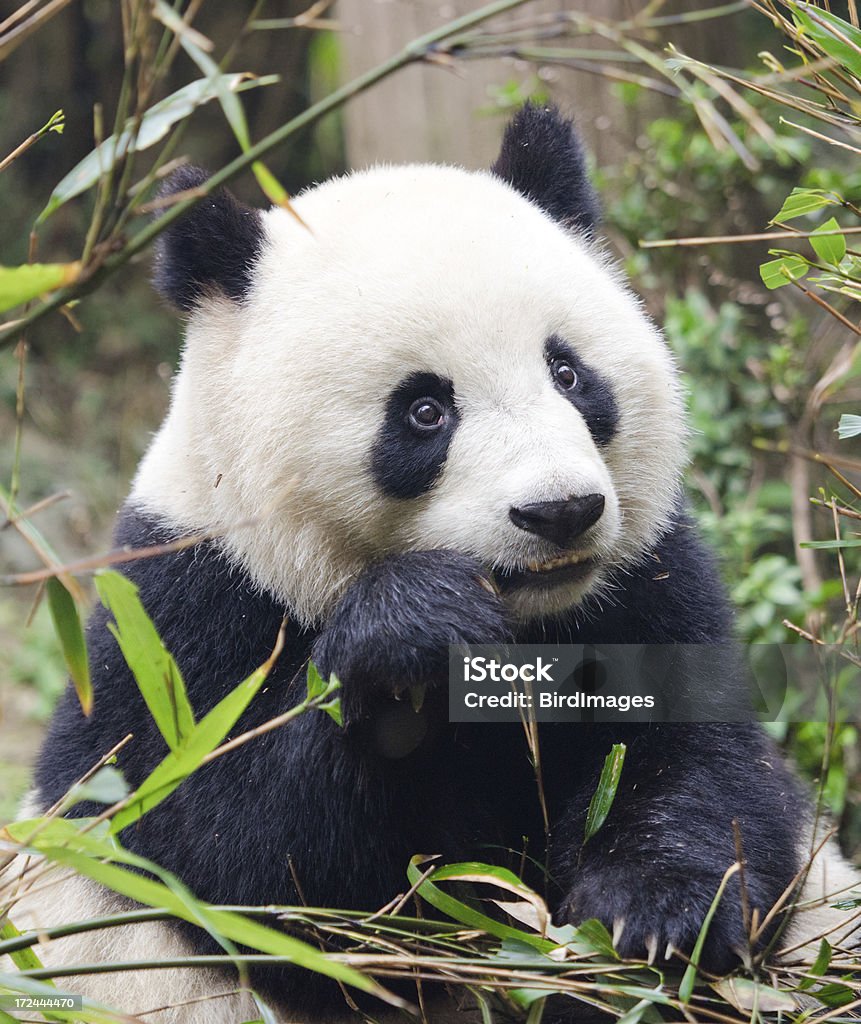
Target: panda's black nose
{"points": [[559, 521]]}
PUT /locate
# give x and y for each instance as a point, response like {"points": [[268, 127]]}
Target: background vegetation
{"points": [[727, 122]]}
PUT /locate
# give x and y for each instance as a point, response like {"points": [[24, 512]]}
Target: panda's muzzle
{"points": [[561, 522]]}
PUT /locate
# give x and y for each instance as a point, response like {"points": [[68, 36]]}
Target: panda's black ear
{"points": [[543, 158], [211, 248]]}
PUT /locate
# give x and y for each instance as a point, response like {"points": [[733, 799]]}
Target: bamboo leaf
{"points": [[829, 248], [748, 995], [231, 925], [189, 755], [154, 125], [70, 632], [605, 793], [801, 201], [820, 965], [831, 545], [825, 29], [686, 988], [156, 673], [781, 271], [460, 911], [21, 284], [24, 959], [235, 114]]}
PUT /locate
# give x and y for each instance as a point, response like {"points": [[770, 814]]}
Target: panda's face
{"points": [[433, 362]]}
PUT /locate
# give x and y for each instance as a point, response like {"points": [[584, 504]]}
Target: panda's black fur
{"points": [[320, 806]]}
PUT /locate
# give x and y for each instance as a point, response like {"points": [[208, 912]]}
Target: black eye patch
{"points": [[406, 459], [592, 396]]}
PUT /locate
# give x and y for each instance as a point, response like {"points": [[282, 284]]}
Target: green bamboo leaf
{"points": [[779, 272], [154, 125], [820, 965], [829, 248], [605, 793], [747, 995], [459, 911], [686, 988], [156, 673], [189, 755], [107, 786], [803, 200], [849, 426], [21, 284], [595, 936], [95, 853], [315, 684], [835, 994], [231, 925], [333, 710], [70, 632], [24, 959], [235, 114], [831, 545], [824, 28]]}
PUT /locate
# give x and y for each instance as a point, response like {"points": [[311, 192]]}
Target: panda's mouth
{"points": [[572, 567]]}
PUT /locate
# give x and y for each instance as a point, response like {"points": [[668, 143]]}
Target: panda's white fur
{"points": [[272, 404]]}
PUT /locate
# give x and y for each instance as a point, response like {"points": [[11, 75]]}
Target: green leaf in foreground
{"points": [[67, 623], [781, 271], [24, 959], [849, 426], [156, 673], [801, 201], [235, 114], [100, 860], [317, 687], [820, 965], [21, 284], [831, 545], [836, 37], [829, 248], [605, 793], [107, 786], [749, 996], [686, 988], [457, 910], [195, 745], [154, 125]]}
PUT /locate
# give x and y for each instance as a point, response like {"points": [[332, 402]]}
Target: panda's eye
{"points": [[563, 374], [426, 414]]}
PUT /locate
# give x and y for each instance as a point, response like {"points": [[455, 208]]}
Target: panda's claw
{"points": [[651, 948], [618, 930]]}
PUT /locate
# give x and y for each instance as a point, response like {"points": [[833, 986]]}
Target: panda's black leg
{"points": [[652, 871], [392, 629]]}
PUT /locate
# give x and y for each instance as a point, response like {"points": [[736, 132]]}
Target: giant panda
{"points": [[426, 412]]}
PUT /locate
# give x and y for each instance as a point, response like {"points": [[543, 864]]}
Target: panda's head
{"points": [[430, 358]]}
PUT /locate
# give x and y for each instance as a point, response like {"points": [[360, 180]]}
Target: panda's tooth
{"points": [[618, 928], [571, 558]]}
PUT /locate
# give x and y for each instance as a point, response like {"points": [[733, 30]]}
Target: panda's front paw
{"points": [[655, 914], [392, 629]]}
